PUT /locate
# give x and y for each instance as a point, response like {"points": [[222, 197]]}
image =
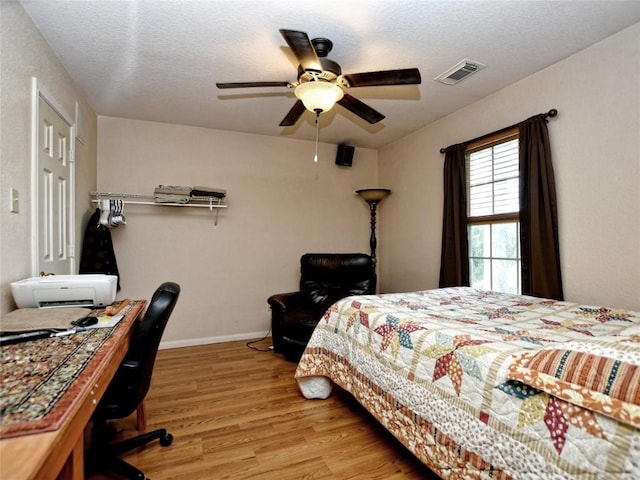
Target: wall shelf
{"points": [[212, 203]]}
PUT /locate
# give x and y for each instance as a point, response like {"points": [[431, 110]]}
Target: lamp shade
{"points": [[373, 194], [318, 95]]}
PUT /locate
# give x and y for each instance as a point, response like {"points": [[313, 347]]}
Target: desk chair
{"points": [[129, 387]]}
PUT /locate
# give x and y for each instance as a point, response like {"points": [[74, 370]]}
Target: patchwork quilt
{"points": [[487, 385]]}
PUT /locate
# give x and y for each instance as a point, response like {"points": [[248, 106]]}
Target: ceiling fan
{"points": [[320, 80]]}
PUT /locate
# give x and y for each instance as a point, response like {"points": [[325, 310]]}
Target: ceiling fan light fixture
{"points": [[318, 86], [319, 96]]}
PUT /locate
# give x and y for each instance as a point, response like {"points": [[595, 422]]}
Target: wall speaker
{"points": [[344, 156]]}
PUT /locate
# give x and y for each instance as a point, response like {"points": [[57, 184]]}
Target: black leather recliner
{"points": [[325, 279]]}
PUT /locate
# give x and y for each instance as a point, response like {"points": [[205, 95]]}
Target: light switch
{"points": [[14, 200]]}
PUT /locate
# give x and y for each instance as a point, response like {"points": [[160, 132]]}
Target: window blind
{"points": [[493, 180]]}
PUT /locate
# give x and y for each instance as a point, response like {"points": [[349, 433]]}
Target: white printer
{"points": [[91, 290]]}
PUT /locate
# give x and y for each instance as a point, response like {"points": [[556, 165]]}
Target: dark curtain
{"points": [[541, 275], [454, 263]]}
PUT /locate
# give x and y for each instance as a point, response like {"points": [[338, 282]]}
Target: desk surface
{"points": [[44, 456]]}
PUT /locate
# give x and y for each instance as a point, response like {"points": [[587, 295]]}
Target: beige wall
{"points": [[24, 54], [280, 206], [596, 152]]}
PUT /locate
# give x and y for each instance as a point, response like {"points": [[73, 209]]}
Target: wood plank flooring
{"points": [[237, 413]]}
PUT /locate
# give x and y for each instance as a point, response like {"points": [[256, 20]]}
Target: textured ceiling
{"points": [[159, 60]]}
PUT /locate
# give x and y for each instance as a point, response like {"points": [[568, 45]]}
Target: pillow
{"points": [[605, 379]]}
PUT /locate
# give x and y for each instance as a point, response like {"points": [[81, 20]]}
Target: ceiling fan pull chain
{"points": [[315, 158]]}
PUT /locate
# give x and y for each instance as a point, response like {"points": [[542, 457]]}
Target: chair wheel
{"points": [[166, 440]]}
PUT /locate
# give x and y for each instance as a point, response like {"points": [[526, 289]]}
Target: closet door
{"points": [[54, 184]]}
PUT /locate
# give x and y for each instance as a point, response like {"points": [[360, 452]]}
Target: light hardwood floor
{"points": [[236, 413]]}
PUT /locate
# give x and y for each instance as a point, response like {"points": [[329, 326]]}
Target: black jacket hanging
{"points": [[97, 249]]}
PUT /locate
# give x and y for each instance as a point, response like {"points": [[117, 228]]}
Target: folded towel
{"points": [[165, 189], [170, 198], [175, 187], [201, 191], [204, 195]]}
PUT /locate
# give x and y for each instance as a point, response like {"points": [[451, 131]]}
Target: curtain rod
{"points": [[551, 113]]}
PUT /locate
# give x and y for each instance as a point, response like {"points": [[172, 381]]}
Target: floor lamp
{"points": [[373, 196]]}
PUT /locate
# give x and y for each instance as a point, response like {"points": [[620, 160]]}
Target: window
{"points": [[493, 213]]}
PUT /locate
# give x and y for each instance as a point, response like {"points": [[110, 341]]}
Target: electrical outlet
{"points": [[14, 200]]}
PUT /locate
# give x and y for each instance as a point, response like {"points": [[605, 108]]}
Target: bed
{"points": [[487, 385]]}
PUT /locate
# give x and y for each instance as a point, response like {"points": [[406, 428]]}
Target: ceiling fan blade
{"points": [[302, 49], [252, 84], [294, 114], [361, 109], [406, 76]]}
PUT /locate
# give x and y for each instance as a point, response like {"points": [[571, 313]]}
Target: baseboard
{"points": [[207, 340]]}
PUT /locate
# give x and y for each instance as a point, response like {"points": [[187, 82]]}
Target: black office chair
{"points": [[129, 387]]}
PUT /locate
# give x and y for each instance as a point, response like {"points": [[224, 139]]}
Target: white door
{"points": [[54, 187]]}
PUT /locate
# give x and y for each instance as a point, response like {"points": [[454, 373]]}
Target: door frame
{"points": [[38, 92]]}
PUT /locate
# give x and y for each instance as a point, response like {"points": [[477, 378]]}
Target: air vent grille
{"points": [[459, 72]]}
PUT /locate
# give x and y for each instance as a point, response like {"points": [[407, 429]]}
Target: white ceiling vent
{"points": [[459, 71]]}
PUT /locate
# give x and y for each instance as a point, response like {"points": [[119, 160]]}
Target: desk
{"points": [[60, 453]]}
